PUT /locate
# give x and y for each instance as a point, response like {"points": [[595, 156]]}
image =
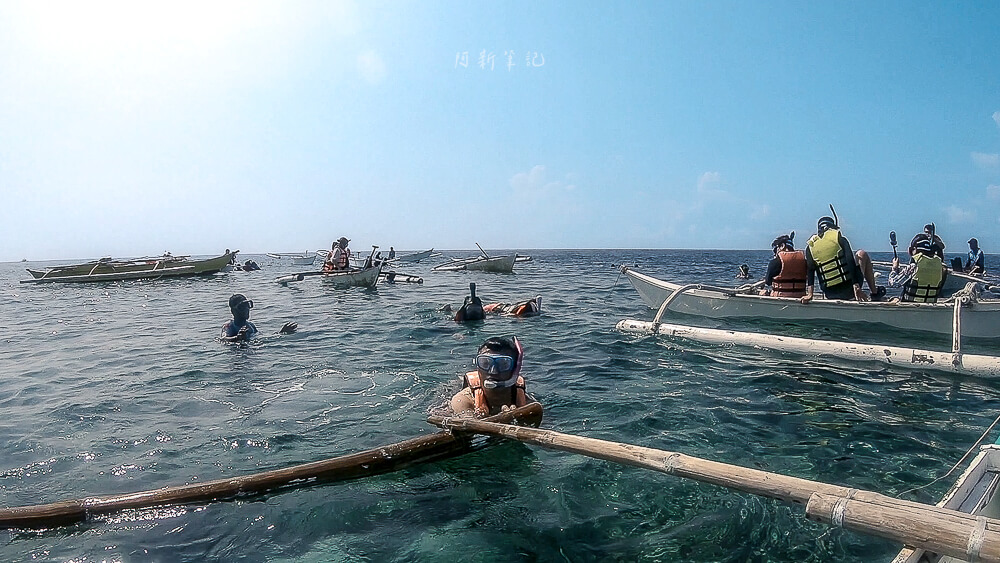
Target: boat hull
{"points": [[104, 271], [415, 257], [496, 265], [363, 278], [978, 320]]}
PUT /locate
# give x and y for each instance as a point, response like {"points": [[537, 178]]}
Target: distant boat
{"points": [[107, 269], [496, 264], [298, 258], [354, 278], [415, 257]]}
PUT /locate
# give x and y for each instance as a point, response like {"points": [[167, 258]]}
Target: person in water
{"points": [[526, 308], [923, 278], [339, 257], [496, 384], [976, 262], [472, 308], [240, 329], [744, 272], [786, 272], [841, 271]]}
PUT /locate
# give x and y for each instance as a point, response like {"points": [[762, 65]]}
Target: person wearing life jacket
{"points": [[925, 277], [840, 270], [526, 308], [936, 243], [976, 263], [496, 384], [786, 272], [339, 257]]}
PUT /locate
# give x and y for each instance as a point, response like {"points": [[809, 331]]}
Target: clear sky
{"points": [[129, 128]]}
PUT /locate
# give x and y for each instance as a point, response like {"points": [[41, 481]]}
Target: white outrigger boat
{"points": [[975, 494], [494, 264], [980, 318], [367, 277], [414, 257]]}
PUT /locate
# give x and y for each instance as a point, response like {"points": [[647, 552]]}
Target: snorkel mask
{"points": [[490, 383]]}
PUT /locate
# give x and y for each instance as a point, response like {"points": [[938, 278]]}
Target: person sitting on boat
{"points": [[931, 234], [841, 271], [339, 257], [744, 272], [472, 308], [240, 329], [496, 384], [923, 278], [527, 308], [976, 262], [786, 272]]}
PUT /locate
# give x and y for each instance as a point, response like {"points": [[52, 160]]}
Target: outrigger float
{"points": [[428, 448], [964, 314]]}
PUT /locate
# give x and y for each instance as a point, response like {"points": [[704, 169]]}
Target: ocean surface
{"points": [[121, 387]]}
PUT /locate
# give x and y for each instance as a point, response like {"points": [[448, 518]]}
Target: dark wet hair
{"points": [[784, 241], [824, 224], [923, 244], [236, 300], [499, 345]]}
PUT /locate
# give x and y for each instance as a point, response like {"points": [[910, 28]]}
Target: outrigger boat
{"points": [[367, 277], [303, 259], [980, 317], [974, 493], [414, 257], [428, 448], [106, 269], [496, 264]]}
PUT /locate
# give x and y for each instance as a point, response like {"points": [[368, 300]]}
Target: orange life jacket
{"points": [[791, 282], [474, 382]]}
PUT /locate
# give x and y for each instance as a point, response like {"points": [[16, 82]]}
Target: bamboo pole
{"points": [[791, 490], [375, 461], [968, 364]]}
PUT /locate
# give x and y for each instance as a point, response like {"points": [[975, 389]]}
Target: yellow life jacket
{"points": [[834, 269], [925, 285]]}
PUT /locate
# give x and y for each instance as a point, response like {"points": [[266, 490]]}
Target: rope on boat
{"points": [[958, 463]]}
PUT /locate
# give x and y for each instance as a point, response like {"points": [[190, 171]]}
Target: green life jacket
{"points": [[925, 285], [830, 260]]}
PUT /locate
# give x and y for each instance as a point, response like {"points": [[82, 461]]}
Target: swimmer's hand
{"points": [[289, 328], [243, 334]]}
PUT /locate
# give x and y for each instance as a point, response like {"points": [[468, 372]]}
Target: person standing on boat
{"points": [[786, 272], [841, 271], [339, 257], [240, 329], [496, 385], [976, 263], [392, 253]]}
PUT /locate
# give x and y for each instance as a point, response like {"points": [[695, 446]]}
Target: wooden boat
{"points": [[974, 493], [431, 447], [367, 277], [107, 269], [298, 259], [414, 257], [980, 318], [494, 264]]}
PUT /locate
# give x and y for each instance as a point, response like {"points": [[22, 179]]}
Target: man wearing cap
{"points": [[339, 257], [841, 271], [240, 329], [976, 263]]}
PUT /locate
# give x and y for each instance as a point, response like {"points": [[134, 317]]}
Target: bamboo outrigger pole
{"points": [[430, 447], [936, 529]]}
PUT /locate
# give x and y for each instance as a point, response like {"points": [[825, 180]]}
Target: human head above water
{"points": [[504, 347], [240, 305]]}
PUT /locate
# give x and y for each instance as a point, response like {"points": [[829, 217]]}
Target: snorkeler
{"points": [[496, 385], [240, 329]]}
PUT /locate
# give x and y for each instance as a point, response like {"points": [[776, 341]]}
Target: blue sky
{"points": [[132, 128]]}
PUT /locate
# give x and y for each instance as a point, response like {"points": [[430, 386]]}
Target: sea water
{"points": [[120, 387]]}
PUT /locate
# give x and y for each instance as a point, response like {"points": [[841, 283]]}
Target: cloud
{"points": [[993, 191], [996, 117], [708, 183], [986, 160], [958, 215], [371, 67], [760, 211], [535, 182]]}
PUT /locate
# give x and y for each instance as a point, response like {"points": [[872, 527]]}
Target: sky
{"points": [[132, 128]]}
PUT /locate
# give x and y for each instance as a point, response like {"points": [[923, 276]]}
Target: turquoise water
{"points": [[112, 388]]}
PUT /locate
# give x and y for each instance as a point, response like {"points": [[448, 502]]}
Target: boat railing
{"points": [[690, 287]]}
